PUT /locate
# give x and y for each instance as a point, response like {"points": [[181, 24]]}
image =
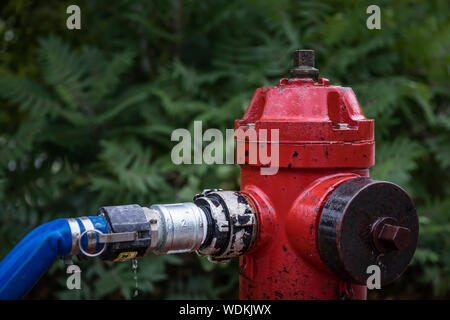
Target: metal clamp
{"points": [[117, 237], [75, 231], [92, 239], [81, 247], [105, 239]]}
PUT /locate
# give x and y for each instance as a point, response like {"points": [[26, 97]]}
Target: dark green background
{"points": [[86, 117]]}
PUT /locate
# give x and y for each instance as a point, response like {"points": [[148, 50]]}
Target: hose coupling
{"points": [[218, 224]]}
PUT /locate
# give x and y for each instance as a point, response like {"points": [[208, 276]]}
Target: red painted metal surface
{"points": [[324, 140]]}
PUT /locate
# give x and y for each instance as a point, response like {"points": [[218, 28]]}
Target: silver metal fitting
{"points": [[89, 228], [219, 224], [176, 228], [75, 229]]}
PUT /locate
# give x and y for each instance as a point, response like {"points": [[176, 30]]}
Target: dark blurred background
{"points": [[86, 117]]}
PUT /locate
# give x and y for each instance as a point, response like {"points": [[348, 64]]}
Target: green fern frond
{"points": [[28, 95], [60, 64], [396, 160], [104, 74]]}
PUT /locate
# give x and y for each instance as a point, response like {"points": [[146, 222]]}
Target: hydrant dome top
{"points": [[311, 114], [319, 111]]}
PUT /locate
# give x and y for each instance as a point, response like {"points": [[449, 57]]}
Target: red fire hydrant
{"points": [[321, 220], [316, 227]]}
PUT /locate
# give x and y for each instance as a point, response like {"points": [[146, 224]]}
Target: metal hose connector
{"points": [[218, 224], [176, 228]]}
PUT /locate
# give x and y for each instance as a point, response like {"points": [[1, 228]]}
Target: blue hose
{"points": [[30, 259]]}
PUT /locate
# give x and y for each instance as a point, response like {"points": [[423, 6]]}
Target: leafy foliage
{"points": [[86, 116]]}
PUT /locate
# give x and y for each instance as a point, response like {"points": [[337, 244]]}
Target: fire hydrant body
{"points": [[301, 251]]}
